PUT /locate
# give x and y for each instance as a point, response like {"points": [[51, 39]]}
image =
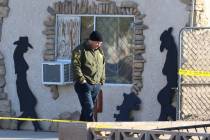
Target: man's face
{"points": [[95, 44]]}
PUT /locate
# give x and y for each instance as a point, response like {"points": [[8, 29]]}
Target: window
{"points": [[67, 35], [117, 32]]}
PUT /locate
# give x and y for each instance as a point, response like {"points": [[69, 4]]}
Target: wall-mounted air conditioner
{"points": [[57, 72]]}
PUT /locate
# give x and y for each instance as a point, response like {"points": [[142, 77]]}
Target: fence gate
{"points": [[194, 83]]}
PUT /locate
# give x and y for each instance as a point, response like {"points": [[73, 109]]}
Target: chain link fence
{"points": [[194, 91]]}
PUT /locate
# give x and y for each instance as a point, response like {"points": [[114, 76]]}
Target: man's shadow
{"points": [[166, 94], [26, 98]]}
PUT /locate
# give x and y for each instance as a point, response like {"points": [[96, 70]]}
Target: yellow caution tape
{"points": [[32, 119], [194, 73], [96, 126]]}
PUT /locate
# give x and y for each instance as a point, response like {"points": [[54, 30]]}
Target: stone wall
{"points": [[200, 18], [197, 12], [5, 104], [4, 12]]}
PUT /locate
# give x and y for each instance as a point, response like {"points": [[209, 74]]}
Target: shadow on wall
{"points": [[26, 98], [130, 103], [166, 94]]}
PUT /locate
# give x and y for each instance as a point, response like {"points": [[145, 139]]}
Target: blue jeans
{"points": [[87, 95]]}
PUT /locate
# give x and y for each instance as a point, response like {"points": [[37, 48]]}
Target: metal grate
{"points": [[51, 73], [135, 134], [194, 103]]}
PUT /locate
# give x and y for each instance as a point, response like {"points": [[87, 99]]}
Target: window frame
{"points": [[94, 28]]}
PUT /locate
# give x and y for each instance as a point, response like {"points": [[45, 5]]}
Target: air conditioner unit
{"points": [[57, 72]]}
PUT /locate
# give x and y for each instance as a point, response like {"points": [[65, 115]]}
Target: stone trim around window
{"points": [[97, 8], [5, 103]]}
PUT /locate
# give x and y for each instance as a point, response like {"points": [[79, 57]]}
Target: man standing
{"points": [[88, 63]]}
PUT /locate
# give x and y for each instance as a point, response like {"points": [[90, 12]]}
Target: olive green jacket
{"points": [[88, 64]]}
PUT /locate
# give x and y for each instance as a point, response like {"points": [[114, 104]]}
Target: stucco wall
{"points": [[26, 18]]}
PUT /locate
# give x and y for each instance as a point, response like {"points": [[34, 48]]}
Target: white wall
{"points": [[26, 18]]}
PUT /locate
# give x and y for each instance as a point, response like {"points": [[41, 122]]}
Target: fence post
{"points": [[147, 135], [117, 135]]}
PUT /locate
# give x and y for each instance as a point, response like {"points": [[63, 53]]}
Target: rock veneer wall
{"points": [[97, 8], [200, 18], [197, 13], [4, 12], [5, 104]]}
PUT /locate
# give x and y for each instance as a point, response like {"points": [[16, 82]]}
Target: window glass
{"points": [[87, 26], [67, 35], [118, 35]]}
